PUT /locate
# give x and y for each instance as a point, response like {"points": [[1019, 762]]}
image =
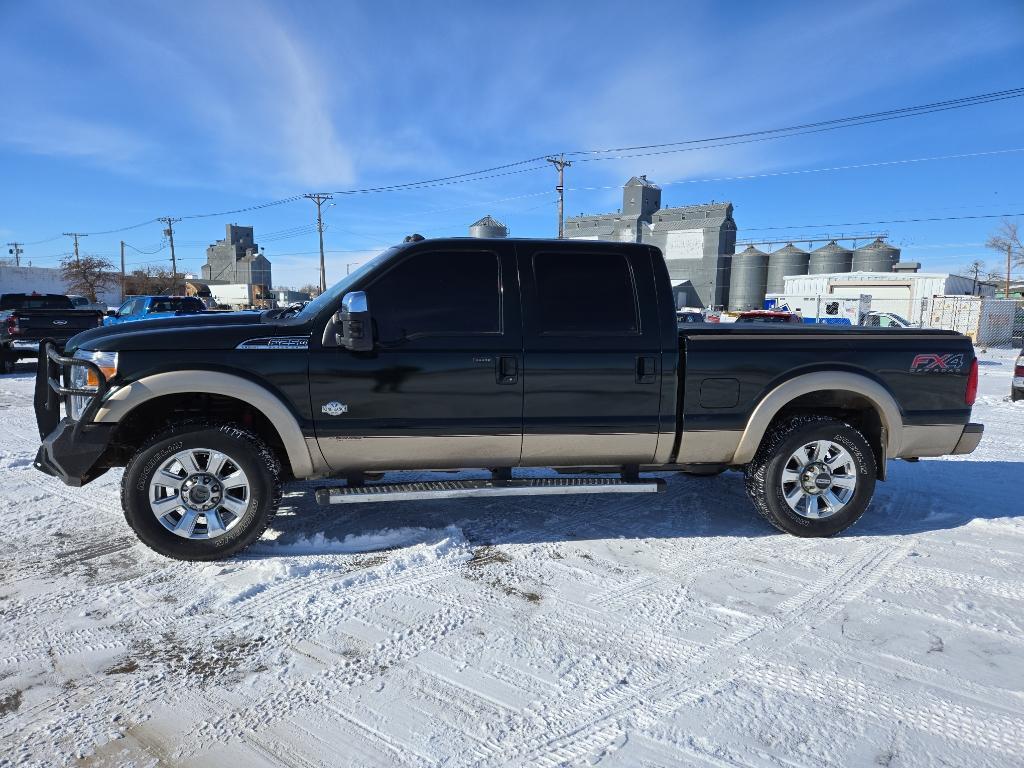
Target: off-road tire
{"points": [[255, 458], [1017, 394], [7, 362], [763, 474]]}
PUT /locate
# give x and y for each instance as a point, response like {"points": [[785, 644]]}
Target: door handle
{"points": [[507, 369], [646, 369]]}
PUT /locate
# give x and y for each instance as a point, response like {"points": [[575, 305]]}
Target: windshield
{"points": [[332, 296], [176, 304]]}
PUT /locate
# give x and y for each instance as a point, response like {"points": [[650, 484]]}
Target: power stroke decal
{"points": [[931, 363], [280, 342]]}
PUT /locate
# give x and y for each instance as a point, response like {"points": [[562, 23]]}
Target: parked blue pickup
{"points": [[153, 308]]}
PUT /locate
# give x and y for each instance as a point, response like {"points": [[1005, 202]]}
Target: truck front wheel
{"points": [[201, 492], [812, 476]]}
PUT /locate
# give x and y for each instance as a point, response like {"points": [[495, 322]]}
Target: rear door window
{"points": [[589, 294]]}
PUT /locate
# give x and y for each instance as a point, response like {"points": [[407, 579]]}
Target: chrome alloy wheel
{"points": [[199, 493], [819, 479]]}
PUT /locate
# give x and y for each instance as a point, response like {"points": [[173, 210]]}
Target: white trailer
{"points": [[235, 295], [902, 293]]}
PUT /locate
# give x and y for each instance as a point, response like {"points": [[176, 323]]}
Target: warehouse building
{"points": [[698, 240]]}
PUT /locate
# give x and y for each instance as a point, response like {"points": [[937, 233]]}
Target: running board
{"points": [[458, 489]]}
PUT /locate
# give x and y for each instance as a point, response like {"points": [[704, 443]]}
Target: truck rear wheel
{"points": [[201, 492], [812, 476]]}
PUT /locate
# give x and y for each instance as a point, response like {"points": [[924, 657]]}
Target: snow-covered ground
{"points": [[627, 632]]}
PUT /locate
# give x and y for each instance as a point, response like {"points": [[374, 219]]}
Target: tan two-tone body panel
{"points": [[920, 411]]}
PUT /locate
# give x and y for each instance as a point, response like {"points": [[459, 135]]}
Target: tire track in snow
{"points": [[698, 671], [938, 717]]}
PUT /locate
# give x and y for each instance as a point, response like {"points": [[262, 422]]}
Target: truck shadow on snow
{"points": [[917, 498]]}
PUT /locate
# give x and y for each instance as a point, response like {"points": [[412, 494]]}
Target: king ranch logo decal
{"points": [[932, 363]]}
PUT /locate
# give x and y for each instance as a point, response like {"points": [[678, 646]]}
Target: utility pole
{"points": [[561, 164], [16, 250], [320, 198], [122, 270], [169, 233], [1009, 264], [75, 235]]}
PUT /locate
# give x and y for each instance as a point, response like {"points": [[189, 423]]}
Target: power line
{"points": [[816, 127], [888, 221], [538, 163], [802, 171]]}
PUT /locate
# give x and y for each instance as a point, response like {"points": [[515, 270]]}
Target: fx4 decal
{"points": [[931, 363]]}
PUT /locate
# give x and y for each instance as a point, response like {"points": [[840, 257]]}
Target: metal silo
{"points": [[488, 227], [831, 257], [878, 256], [788, 260], [748, 279]]}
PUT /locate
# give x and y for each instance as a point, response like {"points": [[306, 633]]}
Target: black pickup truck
{"points": [[27, 318], [491, 355]]}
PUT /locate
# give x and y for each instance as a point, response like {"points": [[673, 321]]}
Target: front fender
{"points": [[124, 400]]}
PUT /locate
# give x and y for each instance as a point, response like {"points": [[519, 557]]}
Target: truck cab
{"points": [[153, 308]]}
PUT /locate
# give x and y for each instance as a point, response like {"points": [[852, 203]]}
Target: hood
{"points": [[201, 331]]}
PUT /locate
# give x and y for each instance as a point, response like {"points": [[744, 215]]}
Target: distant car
{"points": [[689, 317], [885, 320], [768, 316], [153, 308], [83, 303], [1017, 388]]}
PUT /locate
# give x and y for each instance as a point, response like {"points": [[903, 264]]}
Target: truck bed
{"points": [[727, 371]]}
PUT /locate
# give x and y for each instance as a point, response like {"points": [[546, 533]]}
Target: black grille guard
{"points": [[53, 378]]}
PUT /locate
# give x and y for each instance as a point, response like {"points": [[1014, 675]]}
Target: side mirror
{"points": [[355, 323], [111, 313]]}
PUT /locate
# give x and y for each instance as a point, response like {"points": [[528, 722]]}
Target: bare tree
{"points": [[1007, 241], [88, 275], [975, 269], [312, 290]]}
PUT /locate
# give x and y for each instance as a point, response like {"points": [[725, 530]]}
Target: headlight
{"points": [[85, 378]]}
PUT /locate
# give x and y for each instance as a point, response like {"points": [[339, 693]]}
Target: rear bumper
{"points": [[969, 438], [72, 454]]}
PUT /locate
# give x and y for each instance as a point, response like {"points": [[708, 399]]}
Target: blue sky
{"points": [[115, 113]]}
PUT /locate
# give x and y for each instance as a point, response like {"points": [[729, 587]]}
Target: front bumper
{"points": [[72, 450], [969, 438], [25, 345]]}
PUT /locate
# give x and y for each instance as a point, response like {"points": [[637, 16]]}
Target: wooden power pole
{"points": [[320, 198], [122, 271], [561, 164], [75, 235], [169, 233]]}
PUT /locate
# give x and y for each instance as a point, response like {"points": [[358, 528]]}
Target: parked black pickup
{"points": [[494, 355], [27, 318]]}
